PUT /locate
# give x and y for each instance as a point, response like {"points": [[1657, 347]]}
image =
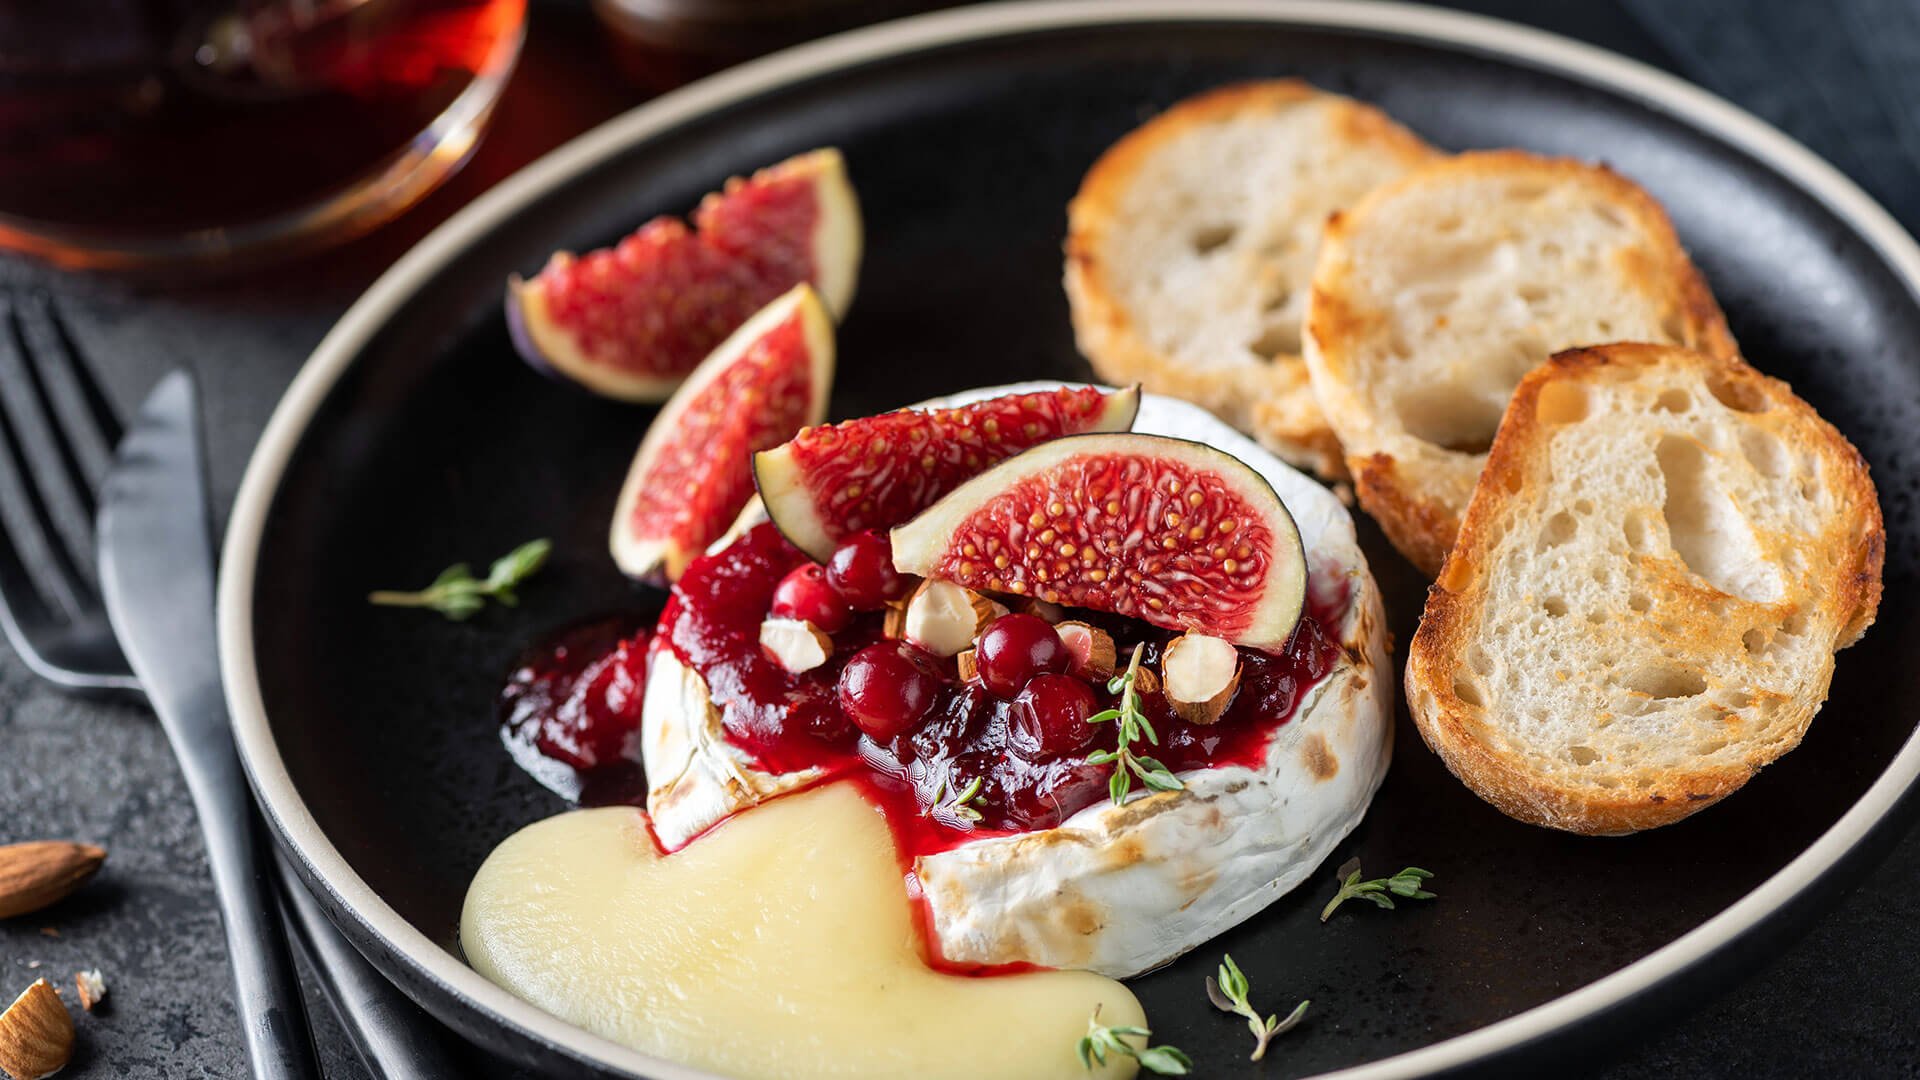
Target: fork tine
{"points": [[21, 604], [81, 422], [31, 526]]}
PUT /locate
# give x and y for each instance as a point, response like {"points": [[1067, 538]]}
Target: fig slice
{"points": [[876, 472], [631, 321], [1176, 533], [692, 477]]}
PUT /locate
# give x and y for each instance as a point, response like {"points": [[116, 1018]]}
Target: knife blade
{"points": [[156, 577]]}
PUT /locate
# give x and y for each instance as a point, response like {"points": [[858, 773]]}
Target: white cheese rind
{"points": [[695, 777], [1115, 890]]}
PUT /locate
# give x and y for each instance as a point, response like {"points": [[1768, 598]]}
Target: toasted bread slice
{"points": [[1437, 292], [1192, 239], [1650, 583]]}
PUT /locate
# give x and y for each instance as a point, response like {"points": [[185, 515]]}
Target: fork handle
{"points": [[273, 1016]]}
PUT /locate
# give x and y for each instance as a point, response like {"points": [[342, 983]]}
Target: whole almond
{"points": [[36, 1034], [36, 874]]}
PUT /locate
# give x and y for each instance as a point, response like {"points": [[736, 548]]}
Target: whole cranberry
{"points": [[1014, 648], [887, 687], [805, 594], [1049, 717], [862, 570]]}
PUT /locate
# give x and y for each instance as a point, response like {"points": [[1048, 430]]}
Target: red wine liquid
{"points": [[136, 116]]}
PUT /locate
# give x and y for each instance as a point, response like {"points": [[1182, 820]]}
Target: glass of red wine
{"points": [[155, 133]]}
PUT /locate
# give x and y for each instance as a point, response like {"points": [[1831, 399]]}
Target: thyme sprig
{"points": [[458, 595], [1101, 1040], [958, 804], [1228, 992], [1133, 726], [1405, 884]]}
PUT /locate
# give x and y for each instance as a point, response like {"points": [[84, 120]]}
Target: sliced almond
{"points": [[92, 987], [36, 1034], [1045, 609], [1092, 649], [894, 623], [36, 874], [944, 618], [1200, 674], [795, 644], [968, 665]]}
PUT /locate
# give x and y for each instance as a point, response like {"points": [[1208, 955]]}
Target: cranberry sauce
{"points": [[570, 711], [924, 776]]}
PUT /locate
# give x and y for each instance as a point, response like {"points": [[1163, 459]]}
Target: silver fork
{"points": [[56, 440], [57, 434]]}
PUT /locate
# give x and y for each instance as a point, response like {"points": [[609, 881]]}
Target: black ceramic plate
{"points": [[414, 437]]}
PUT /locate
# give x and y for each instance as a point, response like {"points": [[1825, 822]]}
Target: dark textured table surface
{"points": [[1843, 1001]]}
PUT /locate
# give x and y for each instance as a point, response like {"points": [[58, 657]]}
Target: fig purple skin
{"points": [[523, 340]]}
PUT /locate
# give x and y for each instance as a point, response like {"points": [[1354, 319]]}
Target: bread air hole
{"points": [[1560, 403], [1467, 691], [1738, 395], [1558, 530], [1212, 238], [1764, 453], [1673, 400], [1664, 681], [1582, 755], [1639, 531], [1278, 338], [1450, 416], [1554, 606], [1707, 531]]}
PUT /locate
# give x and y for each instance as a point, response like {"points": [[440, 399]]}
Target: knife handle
{"points": [[396, 1038], [273, 1016]]}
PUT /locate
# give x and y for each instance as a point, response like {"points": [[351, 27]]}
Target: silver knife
{"points": [[156, 576]]}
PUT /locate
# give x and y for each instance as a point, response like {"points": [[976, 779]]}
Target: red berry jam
{"points": [[570, 711], [1028, 748], [1014, 648], [862, 570]]}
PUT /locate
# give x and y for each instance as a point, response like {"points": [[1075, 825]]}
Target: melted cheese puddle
{"points": [[780, 944]]}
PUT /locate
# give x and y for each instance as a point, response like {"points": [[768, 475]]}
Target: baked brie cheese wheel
{"points": [[1116, 890]]}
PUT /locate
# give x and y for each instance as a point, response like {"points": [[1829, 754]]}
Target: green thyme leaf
{"points": [[1166, 1061], [1131, 726], [458, 595], [1228, 990], [1100, 1040], [957, 806], [1405, 884]]}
